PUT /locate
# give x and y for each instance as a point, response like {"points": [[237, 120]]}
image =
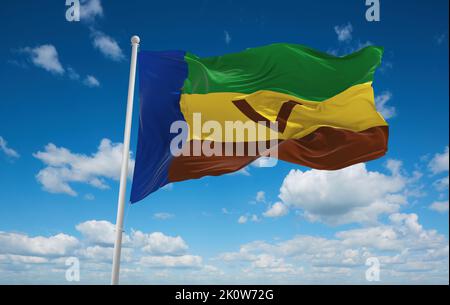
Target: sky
{"points": [[62, 112]]}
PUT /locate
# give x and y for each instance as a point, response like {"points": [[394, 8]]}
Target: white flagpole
{"points": [[124, 169]]}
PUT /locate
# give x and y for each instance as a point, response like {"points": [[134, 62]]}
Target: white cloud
{"points": [[183, 261], [402, 246], [46, 57], [100, 232], [22, 259], [163, 216], [439, 163], [346, 195], [41, 259], [107, 46], [261, 196], [249, 217], [381, 103], [255, 218], [242, 219], [227, 37], [64, 167], [73, 75], [21, 244], [90, 9], [91, 81], [157, 243], [278, 209], [439, 206], [7, 150], [344, 32]]}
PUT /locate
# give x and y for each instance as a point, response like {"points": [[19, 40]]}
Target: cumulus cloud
{"points": [[25, 255], [439, 206], [439, 163], [278, 209], [183, 261], [90, 10], [242, 219], [344, 32], [381, 101], [345, 196], [91, 81], [8, 151], [245, 218], [107, 46], [402, 246], [45, 57], [157, 243], [21, 244], [100, 232], [64, 167]]}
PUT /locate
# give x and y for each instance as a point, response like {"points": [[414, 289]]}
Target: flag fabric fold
{"points": [[323, 106]]}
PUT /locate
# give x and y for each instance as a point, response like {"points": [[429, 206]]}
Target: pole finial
{"points": [[135, 39]]}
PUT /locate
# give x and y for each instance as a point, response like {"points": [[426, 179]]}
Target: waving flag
{"points": [[323, 107]]}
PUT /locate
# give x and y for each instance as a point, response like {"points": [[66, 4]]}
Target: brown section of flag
{"points": [[327, 149]]}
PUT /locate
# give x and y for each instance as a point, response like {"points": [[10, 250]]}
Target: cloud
{"points": [[91, 81], [90, 10], [242, 219], [246, 218], [439, 206], [227, 37], [407, 252], [99, 232], [439, 163], [42, 259], [260, 196], [107, 46], [277, 210], [183, 261], [157, 243], [344, 32], [346, 195], [381, 100], [21, 244], [8, 151], [64, 167], [163, 216], [45, 57]]}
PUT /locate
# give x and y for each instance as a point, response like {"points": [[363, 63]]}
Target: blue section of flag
{"points": [[161, 79]]}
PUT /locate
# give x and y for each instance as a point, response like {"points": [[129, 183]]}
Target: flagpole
{"points": [[124, 169]]}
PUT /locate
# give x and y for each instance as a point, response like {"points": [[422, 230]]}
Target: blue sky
{"points": [[64, 87]]}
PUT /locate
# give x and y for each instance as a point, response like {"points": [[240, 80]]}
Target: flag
{"points": [[322, 106]]}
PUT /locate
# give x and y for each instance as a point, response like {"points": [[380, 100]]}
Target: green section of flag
{"points": [[286, 68]]}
